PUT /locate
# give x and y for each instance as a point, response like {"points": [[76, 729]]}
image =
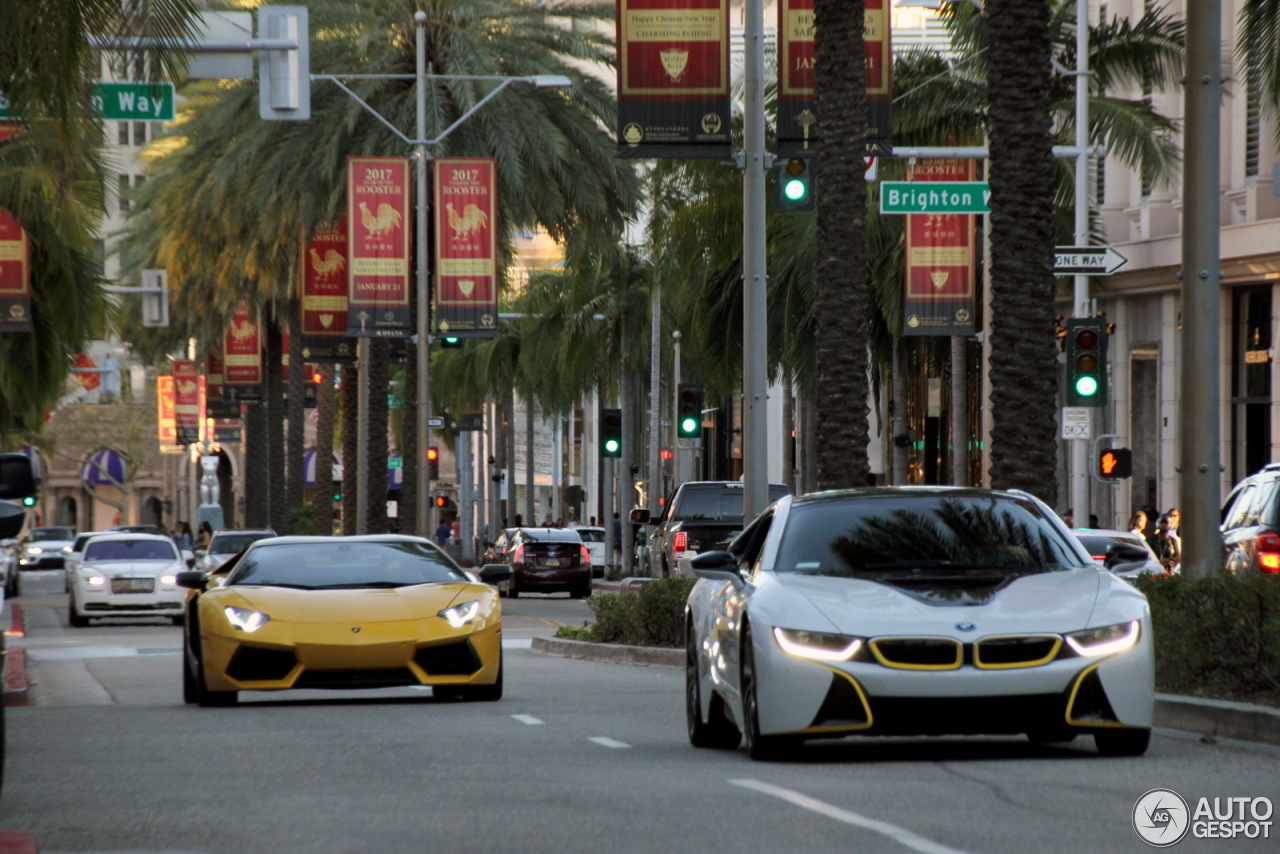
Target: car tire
{"points": [[177, 621], [513, 592], [717, 733], [581, 592], [481, 693], [203, 696], [1122, 742], [190, 691], [76, 621], [766, 748]]}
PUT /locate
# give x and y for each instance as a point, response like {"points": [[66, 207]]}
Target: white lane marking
{"points": [[517, 643], [527, 719], [898, 834], [608, 742]]}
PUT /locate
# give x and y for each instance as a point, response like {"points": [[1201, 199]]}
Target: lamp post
{"points": [[421, 147]]}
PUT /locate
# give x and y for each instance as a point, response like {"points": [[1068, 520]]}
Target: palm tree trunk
{"points": [[257, 474], [841, 281], [1022, 367], [322, 503], [296, 446], [627, 498], [350, 446], [379, 374], [901, 430], [959, 412], [411, 448], [276, 463], [788, 436], [531, 517]]}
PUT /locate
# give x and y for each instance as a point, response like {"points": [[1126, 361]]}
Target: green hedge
{"points": [[652, 617], [1217, 637]]}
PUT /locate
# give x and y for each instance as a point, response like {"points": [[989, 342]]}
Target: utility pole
{"points": [[754, 162], [1080, 465]]}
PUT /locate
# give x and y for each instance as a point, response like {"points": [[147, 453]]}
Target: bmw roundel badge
{"points": [[965, 627]]}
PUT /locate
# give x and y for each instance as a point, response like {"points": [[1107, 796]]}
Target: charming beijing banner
{"points": [[875, 39], [466, 214], [15, 266], [324, 295], [186, 401], [242, 356], [378, 247], [673, 78], [940, 295]]}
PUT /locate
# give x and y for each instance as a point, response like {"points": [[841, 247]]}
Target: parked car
{"points": [[73, 558], [226, 543], [1125, 553], [546, 560], [494, 552], [914, 611], [702, 515], [127, 575], [1251, 524], [46, 548], [593, 539]]}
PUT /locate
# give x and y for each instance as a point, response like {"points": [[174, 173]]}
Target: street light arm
{"points": [[368, 109], [469, 113]]}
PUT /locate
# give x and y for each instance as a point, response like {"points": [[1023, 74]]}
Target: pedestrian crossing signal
{"points": [[1115, 463]]}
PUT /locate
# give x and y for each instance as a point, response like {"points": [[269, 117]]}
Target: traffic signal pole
{"points": [[1080, 462], [754, 163]]}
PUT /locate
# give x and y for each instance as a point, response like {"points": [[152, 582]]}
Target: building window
{"points": [[124, 192], [1252, 126], [122, 133]]}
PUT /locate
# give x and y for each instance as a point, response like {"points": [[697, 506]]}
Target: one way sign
{"points": [[1087, 260]]}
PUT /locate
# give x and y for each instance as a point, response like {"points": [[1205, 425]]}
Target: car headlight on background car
{"points": [[244, 619], [34, 550], [820, 646], [169, 579], [1105, 640], [459, 615], [96, 580], [66, 550]]}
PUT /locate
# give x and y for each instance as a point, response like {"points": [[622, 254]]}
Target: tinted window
{"points": [[39, 534], [320, 566], [229, 544], [129, 550], [591, 536], [921, 534], [1097, 544], [1238, 512], [551, 535], [719, 503]]}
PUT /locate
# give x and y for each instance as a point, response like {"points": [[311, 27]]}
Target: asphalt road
{"points": [[579, 756]]}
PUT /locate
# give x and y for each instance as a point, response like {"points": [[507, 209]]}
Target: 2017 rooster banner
{"points": [[216, 403], [378, 247], [798, 129], [940, 295], [15, 267], [242, 356], [466, 259], [324, 295], [186, 401], [165, 421], [673, 78]]}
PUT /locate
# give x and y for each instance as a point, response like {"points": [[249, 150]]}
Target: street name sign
{"points": [[1087, 260], [125, 102], [1076, 422], [934, 197]]}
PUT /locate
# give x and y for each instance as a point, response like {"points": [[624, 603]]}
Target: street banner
{"points": [[86, 373], [466, 256], [242, 356], [797, 107], [324, 295], [216, 403], [673, 78], [308, 371], [15, 265], [378, 247], [876, 41], [940, 294], [165, 417], [186, 401]]}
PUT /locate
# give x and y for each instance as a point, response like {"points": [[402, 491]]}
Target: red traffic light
{"points": [[1115, 463], [1087, 338], [665, 453], [440, 500], [433, 454]]}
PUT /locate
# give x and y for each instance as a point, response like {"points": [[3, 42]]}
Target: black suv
{"points": [[1251, 524]]}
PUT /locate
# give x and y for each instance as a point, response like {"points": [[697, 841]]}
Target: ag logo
{"points": [[1161, 817]]}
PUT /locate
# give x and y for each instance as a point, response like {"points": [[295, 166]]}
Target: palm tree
{"points": [[1259, 48]]}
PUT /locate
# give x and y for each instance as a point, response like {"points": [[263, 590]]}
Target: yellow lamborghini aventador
{"points": [[372, 611]]}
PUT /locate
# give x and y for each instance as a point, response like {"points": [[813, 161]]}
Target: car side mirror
{"points": [[716, 566], [1118, 553], [640, 515], [193, 579], [492, 573]]}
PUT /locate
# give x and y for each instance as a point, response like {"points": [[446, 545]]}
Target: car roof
{"points": [[116, 536], [320, 539], [235, 532], [588, 528], [879, 492], [567, 534]]}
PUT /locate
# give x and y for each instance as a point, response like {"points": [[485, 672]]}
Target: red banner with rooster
{"points": [[242, 356], [378, 247], [324, 295], [186, 401], [940, 294], [167, 429], [466, 214], [15, 266]]}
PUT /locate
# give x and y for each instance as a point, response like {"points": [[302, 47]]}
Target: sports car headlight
{"points": [[817, 645], [1105, 640], [459, 615], [244, 619]]}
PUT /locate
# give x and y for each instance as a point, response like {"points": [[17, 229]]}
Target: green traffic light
{"points": [[1087, 386], [29, 501], [689, 427], [612, 446], [794, 189], [337, 496]]}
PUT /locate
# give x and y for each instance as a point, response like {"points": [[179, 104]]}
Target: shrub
{"points": [[1217, 637], [652, 617], [299, 520]]}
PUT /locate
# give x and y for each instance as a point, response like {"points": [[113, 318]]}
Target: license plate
{"points": [[132, 585], [551, 562]]}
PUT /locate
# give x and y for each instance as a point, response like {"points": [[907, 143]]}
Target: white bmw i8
{"points": [[913, 611]]}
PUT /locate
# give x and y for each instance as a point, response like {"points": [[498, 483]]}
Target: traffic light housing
{"points": [[689, 411], [1115, 463], [611, 432], [337, 491], [795, 185], [1086, 362], [441, 501], [433, 463]]}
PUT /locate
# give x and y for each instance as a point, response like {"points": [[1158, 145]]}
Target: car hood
{"points": [[50, 545], [1057, 602], [323, 606]]}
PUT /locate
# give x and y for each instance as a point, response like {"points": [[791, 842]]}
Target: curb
{"points": [[1215, 718]]}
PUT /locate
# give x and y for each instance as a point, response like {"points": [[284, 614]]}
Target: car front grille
{"points": [[918, 653], [253, 664], [448, 659], [1019, 651], [389, 678]]}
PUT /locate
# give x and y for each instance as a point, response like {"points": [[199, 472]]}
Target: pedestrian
{"points": [[1168, 544], [1138, 524], [443, 532], [182, 536], [547, 523], [1069, 517], [205, 535], [1175, 523]]}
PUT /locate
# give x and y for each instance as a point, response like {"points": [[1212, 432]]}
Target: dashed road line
{"points": [[528, 719], [608, 742], [898, 834]]}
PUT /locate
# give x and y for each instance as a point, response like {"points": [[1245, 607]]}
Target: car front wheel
{"points": [[759, 747], [718, 732]]}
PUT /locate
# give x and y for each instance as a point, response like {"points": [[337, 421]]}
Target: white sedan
{"points": [[127, 575], [913, 611]]}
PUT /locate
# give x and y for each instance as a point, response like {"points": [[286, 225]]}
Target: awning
{"points": [[104, 467], [309, 469]]}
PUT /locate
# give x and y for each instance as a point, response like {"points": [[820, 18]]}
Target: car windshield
{"points": [[928, 536], [717, 504], [39, 534], [591, 536], [1097, 544], [344, 565], [229, 544], [129, 550]]}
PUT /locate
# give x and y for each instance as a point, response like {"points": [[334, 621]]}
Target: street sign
{"points": [[1076, 422], [393, 462], [435, 421], [1087, 260], [134, 102], [941, 197]]}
